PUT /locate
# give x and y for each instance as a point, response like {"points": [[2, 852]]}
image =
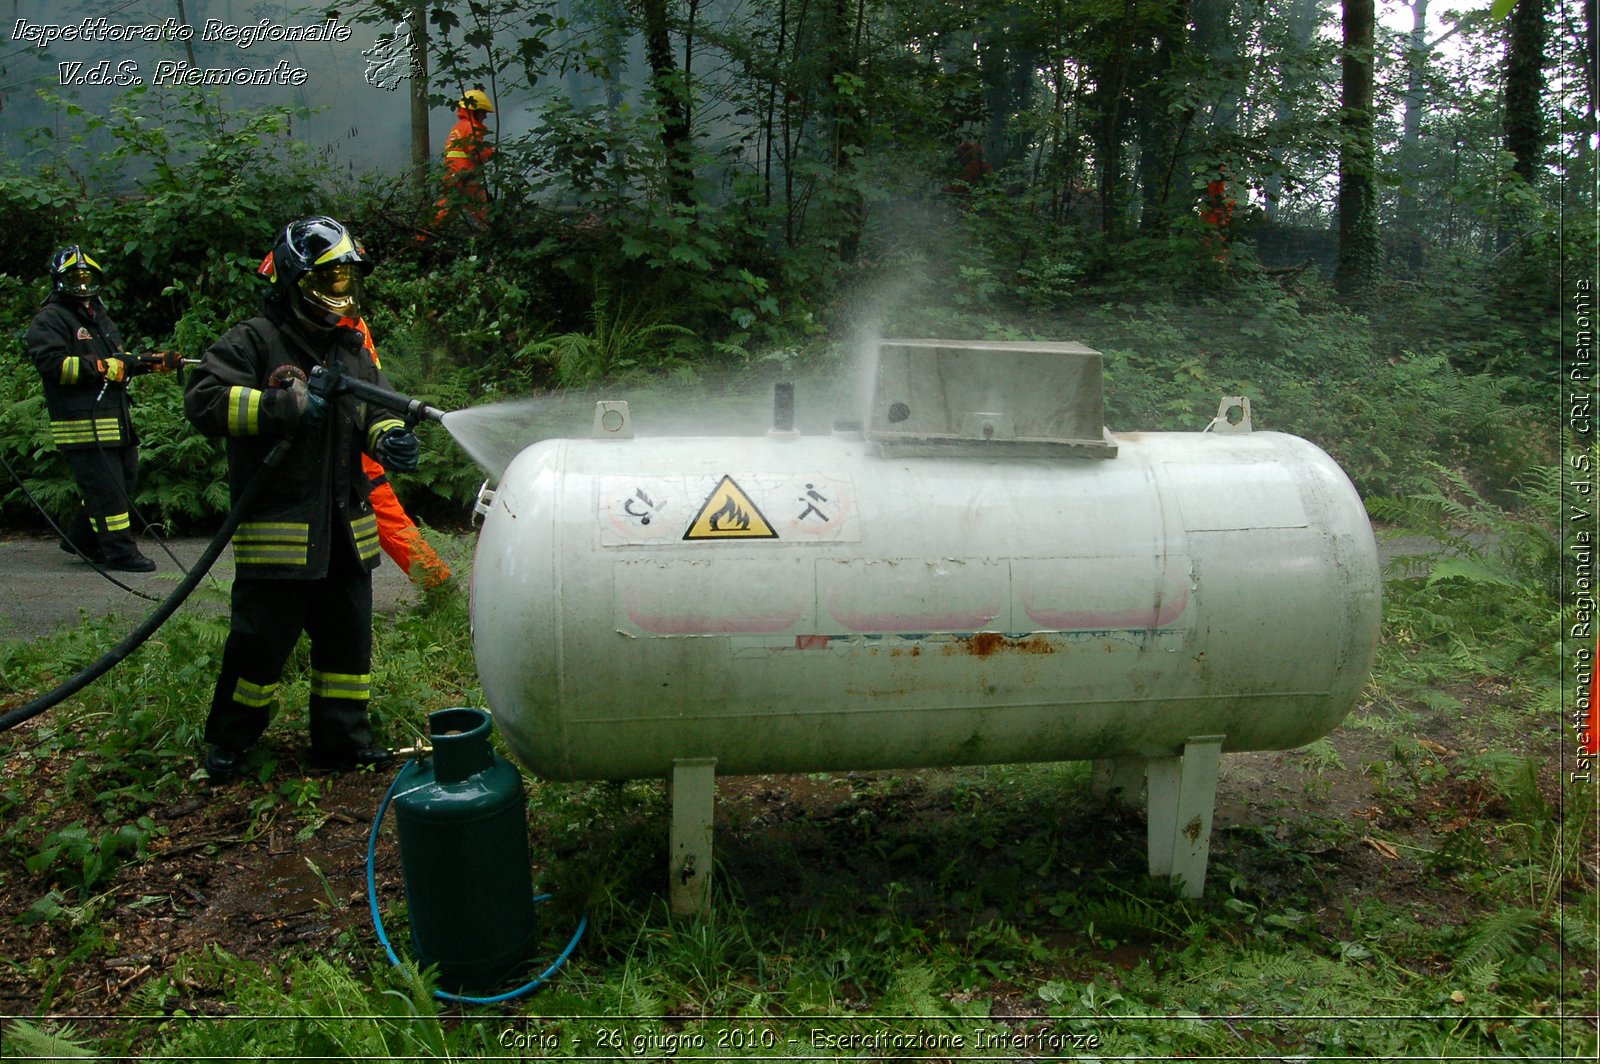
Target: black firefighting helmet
{"points": [[317, 267], [74, 273]]}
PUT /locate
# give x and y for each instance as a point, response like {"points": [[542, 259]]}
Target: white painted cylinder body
{"points": [[806, 604]]}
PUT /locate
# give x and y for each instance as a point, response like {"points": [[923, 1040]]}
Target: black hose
{"points": [[159, 615]]}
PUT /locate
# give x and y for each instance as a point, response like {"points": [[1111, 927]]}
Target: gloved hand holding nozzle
{"points": [[399, 450], [309, 407]]}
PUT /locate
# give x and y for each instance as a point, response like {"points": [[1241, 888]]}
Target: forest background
{"points": [[755, 188], [1386, 238]]}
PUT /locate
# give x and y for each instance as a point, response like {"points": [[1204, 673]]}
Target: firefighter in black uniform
{"points": [[305, 551], [78, 351]]}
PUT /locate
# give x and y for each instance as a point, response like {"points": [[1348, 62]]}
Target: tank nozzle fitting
{"points": [[783, 412]]}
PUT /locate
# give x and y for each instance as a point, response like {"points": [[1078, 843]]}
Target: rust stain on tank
{"points": [[986, 644], [982, 644]]}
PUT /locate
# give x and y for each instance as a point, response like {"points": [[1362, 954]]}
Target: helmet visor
{"points": [[335, 289], [79, 281]]}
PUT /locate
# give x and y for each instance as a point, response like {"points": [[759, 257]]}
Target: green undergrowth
{"points": [[1417, 886]]}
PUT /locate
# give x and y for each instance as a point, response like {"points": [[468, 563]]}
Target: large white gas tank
{"points": [[957, 581]]}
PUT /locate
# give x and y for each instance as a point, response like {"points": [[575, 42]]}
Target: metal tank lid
{"points": [[988, 398]]}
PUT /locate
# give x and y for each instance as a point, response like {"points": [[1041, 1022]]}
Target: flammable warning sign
{"points": [[728, 513]]}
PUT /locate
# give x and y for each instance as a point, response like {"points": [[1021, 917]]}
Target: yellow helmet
{"points": [[476, 100]]}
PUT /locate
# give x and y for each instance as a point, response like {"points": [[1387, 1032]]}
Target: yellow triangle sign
{"points": [[728, 513]]}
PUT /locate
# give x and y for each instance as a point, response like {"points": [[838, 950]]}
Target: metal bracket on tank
{"points": [[611, 420], [480, 506], [1233, 415]]}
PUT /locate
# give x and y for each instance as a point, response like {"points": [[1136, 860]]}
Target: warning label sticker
{"points": [[728, 513], [643, 510]]}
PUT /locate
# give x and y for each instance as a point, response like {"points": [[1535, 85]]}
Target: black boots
{"points": [[223, 763]]}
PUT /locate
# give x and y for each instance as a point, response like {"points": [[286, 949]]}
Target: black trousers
{"points": [[103, 527], [268, 617]]}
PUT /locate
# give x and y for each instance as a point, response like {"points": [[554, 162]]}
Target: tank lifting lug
{"points": [[1233, 415], [611, 420]]}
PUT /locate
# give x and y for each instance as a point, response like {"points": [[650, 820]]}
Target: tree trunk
{"points": [[1113, 122], [844, 106], [1216, 38], [667, 85], [1591, 64], [1304, 17], [1008, 64], [770, 122], [1058, 160], [1524, 125], [1161, 202], [795, 115], [1415, 102], [1359, 249], [421, 152]]}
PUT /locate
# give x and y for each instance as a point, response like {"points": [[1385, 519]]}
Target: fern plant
{"points": [[625, 332], [1502, 937], [24, 1041], [1484, 599], [317, 1010]]}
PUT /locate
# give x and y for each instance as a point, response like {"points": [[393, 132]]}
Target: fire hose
{"points": [[324, 382]]}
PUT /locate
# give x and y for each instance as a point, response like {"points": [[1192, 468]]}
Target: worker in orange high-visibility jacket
{"points": [[398, 535], [465, 152]]}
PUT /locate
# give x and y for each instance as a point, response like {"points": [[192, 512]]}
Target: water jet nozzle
{"points": [[329, 381]]}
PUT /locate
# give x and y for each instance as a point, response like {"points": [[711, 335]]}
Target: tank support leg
{"points": [[1118, 780], [692, 789], [1182, 798]]}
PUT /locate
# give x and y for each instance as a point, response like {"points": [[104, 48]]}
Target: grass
{"points": [[1419, 884]]}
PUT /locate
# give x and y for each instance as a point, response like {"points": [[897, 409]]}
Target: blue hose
{"points": [[383, 937]]}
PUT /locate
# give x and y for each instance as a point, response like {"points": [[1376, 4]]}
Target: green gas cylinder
{"points": [[463, 831]]}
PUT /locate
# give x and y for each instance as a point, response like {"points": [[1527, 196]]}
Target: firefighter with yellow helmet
{"points": [[305, 549], [465, 152], [79, 354]]}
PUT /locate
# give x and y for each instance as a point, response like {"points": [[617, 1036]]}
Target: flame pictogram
{"points": [[728, 513], [736, 517]]}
